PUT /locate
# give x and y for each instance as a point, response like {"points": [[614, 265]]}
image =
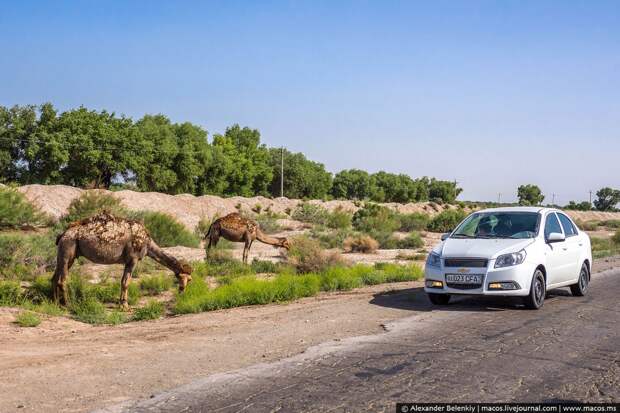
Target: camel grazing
{"points": [[106, 239], [235, 228]]}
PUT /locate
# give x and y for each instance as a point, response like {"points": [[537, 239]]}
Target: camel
{"points": [[235, 228], [106, 239]]}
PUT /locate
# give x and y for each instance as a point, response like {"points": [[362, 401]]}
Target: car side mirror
{"points": [[445, 236], [555, 237]]}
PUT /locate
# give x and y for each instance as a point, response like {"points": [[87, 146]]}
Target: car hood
{"points": [[481, 248]]}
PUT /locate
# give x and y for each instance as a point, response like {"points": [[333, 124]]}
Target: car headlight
{"points": [[434, 260], [508, 260]]}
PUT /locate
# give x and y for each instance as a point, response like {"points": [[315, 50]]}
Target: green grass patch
{"points": [[151, 311], [27, 319], [155, 284], [249, 290], [10, 293]]}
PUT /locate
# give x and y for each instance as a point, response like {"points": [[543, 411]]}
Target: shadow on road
{"points": [[415, 299]]}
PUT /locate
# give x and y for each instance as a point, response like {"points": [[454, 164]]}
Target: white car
{"points": [[518, 251]]}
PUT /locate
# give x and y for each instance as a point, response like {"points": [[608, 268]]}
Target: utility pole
{"points": [[282, 172], [590, 197], [499, 198], [553, 199]]}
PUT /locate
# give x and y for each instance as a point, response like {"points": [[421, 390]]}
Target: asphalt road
{"points": [[475, 350]]}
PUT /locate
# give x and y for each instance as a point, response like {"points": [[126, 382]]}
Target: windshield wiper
{"points": [[462, 236]]}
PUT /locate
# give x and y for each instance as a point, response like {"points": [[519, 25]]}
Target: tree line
{"points": [[606, 199], [98, 149]]}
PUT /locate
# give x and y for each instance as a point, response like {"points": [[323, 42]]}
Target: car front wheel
{"points": [[439, 299], [536, 298], [581, 287]]}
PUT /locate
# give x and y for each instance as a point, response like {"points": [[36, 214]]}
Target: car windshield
{"points": [[499, 225]]}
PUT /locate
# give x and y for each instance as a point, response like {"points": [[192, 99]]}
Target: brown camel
{"points": [[106, 239], [235, 228]]}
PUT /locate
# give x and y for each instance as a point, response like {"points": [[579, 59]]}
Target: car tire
{"points": [[536, 297], [439, 299], [580, 288]]}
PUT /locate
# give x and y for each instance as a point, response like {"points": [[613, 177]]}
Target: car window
{"points": [[552, 225], [569, 228], [499, 224]]}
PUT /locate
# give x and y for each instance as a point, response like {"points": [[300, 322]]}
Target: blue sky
{"points": [[490, 93]]}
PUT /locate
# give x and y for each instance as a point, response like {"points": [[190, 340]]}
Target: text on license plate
{"points": [[464, 278]]}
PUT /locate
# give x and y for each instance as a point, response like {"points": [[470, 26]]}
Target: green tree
{"points": [[17, 124], [390, 187], [530, 195], [607, 199], [248, 171], [353, 184], [302, 178], [579, 206], [446, 191]]}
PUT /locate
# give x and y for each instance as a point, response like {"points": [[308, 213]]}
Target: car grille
{"points": [[464, 286], [466, 262]]}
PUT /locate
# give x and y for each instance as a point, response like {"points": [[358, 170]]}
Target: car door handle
{"points": [[565, 248]]}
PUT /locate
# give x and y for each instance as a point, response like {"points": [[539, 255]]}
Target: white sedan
{"points": [[518, 251]]}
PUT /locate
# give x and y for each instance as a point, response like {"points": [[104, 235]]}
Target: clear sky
{"points": [[490, 93]]}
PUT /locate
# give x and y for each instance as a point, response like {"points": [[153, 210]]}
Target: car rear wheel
{"points": [[581, 287], [439, 299], [536, 298]]}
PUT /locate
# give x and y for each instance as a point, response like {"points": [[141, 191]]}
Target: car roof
{"points": [[536, 209]]}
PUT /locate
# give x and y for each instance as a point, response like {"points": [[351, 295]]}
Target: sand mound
{"points": [[189, 209]]}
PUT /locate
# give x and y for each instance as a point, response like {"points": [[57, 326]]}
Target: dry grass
{"points": [[360, 243]]}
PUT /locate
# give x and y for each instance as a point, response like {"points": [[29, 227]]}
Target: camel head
{"points": [[284, 243], [184, 275]]}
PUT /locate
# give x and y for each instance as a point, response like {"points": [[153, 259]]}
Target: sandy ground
{"points": [[64, 365]]}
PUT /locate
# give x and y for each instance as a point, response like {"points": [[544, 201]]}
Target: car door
{"points": [[556, 253], [573, 245]]}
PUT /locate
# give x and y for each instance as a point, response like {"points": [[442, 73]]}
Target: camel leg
{"points": [[64, 261], [129, 267], [213, 240]]}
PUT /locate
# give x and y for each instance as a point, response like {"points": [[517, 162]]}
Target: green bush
{"points": [[151, 311], [166, 231], [24, 256], [155, 284], [16, 211], [416, 221], [339, 219], [310, 213], [91, 203], [203, 226], [10, 293], [446, 221], [262, 266], [40, 289], [616, 238], [412, 241], [331, 238], [27, 319], [374, 218]]}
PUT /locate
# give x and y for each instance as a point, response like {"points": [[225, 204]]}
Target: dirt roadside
{"points": [[68, 366]]}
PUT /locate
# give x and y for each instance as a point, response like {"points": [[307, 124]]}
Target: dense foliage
{"points": [[607, 199], [91, 149], [530, 195]]}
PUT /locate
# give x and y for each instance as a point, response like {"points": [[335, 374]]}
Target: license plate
{"points": [[464, 278]]}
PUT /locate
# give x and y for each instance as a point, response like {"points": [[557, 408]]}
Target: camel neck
{"points": [[156, 253], [266, 239]]}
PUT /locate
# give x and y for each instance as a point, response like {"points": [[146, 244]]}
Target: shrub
{"points": [[155, 284], [268, 223], [588, 225], [306, 255], [339, 219], [91, 203], [203, 226], [310, 213], [27, 319], [16, 211], [616, 238], [611, 223], [116, 317], [151, 311], [10, 293], [166, 231], [603, 247], [40, 289], [331, 239], [24, 256], [416, 221], [361, 243], [446, 221], [412, 241], [377, 221]]}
